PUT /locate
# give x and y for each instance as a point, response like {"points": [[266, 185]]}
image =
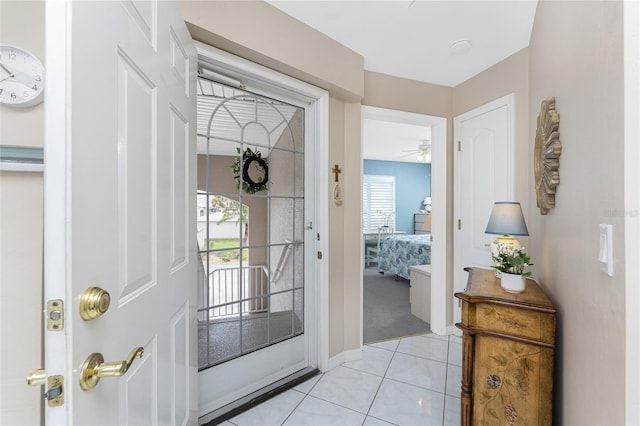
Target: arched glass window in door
{"points": [[251, 236]]}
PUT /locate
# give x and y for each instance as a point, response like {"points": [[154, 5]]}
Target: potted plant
{"points": [[511, 261]]}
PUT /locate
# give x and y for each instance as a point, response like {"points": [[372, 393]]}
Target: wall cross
{"points": [[336, 170]]}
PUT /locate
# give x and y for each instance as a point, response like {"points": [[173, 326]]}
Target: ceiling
{"points": [[413, 39], [389, 141], [416, 40]]}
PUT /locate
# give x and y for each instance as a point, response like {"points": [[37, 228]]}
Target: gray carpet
{"points": [[387, 312]]}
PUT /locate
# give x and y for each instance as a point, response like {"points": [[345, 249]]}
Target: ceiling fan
{"points": [[423, 151]]}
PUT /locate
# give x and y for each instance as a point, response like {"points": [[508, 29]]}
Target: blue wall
{"points": [[413, 183]]}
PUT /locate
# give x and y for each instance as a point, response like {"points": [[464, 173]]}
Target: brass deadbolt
{"points": [[94, 302]]}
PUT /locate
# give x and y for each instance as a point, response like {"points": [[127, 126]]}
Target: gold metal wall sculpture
{"points": [[546, 160]]}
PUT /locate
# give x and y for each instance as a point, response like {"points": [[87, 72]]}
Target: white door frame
{"points": [[632, 204], [509, 102], [438, 208], [316, 129]]}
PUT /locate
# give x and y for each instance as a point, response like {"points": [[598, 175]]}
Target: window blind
{"points": [[378, 202]]}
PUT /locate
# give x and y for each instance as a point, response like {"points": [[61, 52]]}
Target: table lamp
{"points": [[506, 220], [427, 204]]}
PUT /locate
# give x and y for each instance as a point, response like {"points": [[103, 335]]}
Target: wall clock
{"points": [[546, 160], [21, 77]]}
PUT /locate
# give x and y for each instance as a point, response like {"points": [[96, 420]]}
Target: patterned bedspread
{"points": [[399, 252]]}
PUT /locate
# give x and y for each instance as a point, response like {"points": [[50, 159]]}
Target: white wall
{"points": [[21, 221]]}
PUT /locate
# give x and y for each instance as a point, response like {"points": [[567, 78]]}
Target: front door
{"points": [[255, 237], [120, 144], [484, 174]]}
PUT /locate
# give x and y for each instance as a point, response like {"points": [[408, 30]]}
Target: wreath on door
{"points": [[254, 174]]}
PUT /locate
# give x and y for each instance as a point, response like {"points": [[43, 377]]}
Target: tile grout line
{"points": [[380, 385], [296, 407], [446, 381], [306, 394]]}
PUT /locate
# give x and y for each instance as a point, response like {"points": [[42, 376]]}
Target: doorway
{"points": [[259, 310], [434, 134]]}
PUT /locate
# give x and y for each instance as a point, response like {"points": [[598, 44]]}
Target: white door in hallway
{"points": [[483, 174], [120, 144]]}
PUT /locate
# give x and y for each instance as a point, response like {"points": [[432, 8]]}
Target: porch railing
{"points": [[230, 288]]}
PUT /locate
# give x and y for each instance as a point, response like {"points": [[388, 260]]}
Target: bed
{"points": [[399, 252]]}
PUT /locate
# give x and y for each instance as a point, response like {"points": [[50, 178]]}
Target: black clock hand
{"points": [[7, 71]]}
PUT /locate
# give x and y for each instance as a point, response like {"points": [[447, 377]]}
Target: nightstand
{"points": [[420, 292]]}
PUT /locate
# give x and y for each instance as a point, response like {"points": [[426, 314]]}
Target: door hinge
{"points": [[55, 315], [319, 255], [459, 146], [459, 224]]}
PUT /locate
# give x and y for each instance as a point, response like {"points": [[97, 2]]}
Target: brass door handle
{"points": [[94, 368]]}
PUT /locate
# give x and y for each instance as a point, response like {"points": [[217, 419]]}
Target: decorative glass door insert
{"points": [[250, 222]]}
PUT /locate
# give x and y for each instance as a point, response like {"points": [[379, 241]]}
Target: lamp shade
{"points": [[507, 219]]}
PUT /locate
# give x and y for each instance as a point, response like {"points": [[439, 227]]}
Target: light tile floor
{"points": [[410, 381]]}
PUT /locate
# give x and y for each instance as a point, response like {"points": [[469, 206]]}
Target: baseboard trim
{"points": [[452, 329], [341, 358]]}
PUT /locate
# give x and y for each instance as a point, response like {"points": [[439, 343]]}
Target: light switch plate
{"points": [[605, 255]]}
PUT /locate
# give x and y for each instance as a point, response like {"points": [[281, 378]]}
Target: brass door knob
{"points": [[94, 302], [94, 368]]}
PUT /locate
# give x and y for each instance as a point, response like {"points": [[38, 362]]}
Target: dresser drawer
{"points": [[514, 322]]}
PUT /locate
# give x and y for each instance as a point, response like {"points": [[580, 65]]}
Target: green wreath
{"points": [[249, 157]]}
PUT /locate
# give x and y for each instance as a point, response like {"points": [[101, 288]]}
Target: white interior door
{"points": [[120, 143], [484, 164]]}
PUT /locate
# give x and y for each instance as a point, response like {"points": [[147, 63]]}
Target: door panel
{"points": [[126, 163]]}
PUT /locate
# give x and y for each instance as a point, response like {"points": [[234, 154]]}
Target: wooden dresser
{"points": [[418, 223], [508, 351]]}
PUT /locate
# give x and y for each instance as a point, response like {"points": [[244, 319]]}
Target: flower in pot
{"points": [[511, 261]]}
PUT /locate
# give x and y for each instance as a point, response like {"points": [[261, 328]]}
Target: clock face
{"points": [[21, 77]]}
